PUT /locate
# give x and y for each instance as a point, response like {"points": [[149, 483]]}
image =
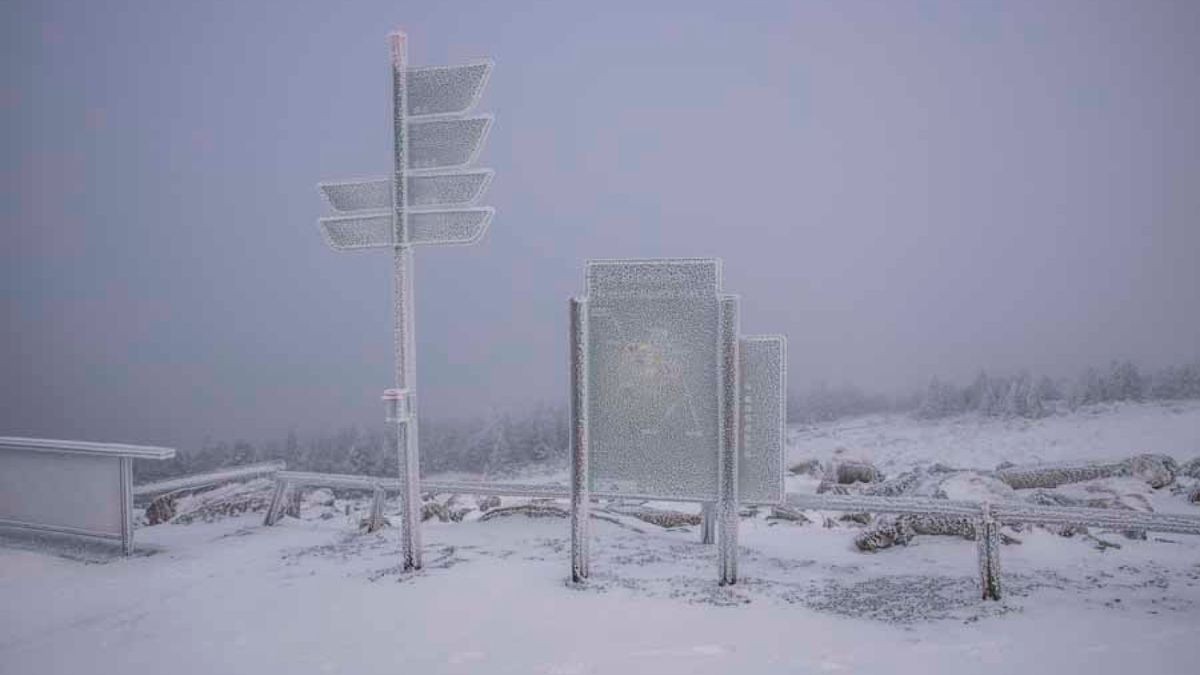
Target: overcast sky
{"points": [[904, 189]]}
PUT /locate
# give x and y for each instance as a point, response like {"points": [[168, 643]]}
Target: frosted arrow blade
{"points": [[433, 189], [461, 226], [444, 144], [346, 233], [446, 90], [374, 195], [448, 189]]}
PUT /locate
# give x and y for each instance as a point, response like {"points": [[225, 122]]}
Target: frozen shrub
{"points": [[1157, 470], [161, 510], [857, 472], [1191, 469], [808, 467]]}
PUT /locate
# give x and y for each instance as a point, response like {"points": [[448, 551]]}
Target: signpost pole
{"points": [[402, 312], [429, 136], [580, 497], [727, 503]]}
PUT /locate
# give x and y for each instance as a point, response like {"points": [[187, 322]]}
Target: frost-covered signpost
{"points": [[668, 401], [421, 203]]}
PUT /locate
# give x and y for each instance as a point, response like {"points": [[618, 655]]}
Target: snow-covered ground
{"points": [[314, 596], [1111, 431]]}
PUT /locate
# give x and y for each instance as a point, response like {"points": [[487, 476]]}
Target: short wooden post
{"points": [[275, 507], [987, 538], [375, 519]]}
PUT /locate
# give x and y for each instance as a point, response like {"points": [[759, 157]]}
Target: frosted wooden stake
{"points": [[987, 537]]}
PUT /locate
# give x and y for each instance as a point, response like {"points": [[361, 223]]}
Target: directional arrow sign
{"points": [[461, 188], [446, 90], [417, 208], [377, 230], [462, 226], [441, 144]]}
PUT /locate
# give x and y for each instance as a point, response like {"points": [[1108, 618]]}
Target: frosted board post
{"points": [[580, 497], [427, 200], [727, 502], [660, 408]]}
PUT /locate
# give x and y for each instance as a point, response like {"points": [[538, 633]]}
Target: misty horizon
{"points": [[906, 192]]}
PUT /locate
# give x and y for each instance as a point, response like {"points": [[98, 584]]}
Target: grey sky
{"points": [[904, 189]]}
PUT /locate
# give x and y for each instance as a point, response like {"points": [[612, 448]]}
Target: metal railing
{"points": [[197, 481], [987, 516]]}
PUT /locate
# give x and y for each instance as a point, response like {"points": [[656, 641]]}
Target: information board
{"points": [[653, 360]]}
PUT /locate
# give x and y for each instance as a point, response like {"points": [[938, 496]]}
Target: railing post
{"points": [[987, 538], [275, 507], [375, 519], [294, 496]]}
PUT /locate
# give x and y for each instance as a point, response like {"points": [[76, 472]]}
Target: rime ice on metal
{"points": [[580, 497], [660, 406], [71, 487], [416, 206], [764, 418], [653, 369]]}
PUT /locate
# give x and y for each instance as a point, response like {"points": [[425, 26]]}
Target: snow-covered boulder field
{"points": [[216, 592]]}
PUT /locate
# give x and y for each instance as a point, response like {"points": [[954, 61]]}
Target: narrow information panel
{"points": [[763, 402], [653, 358]]}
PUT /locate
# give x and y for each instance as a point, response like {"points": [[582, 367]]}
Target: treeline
{"points": [[1024, 396], [500, 443], [1021, 395], [493, 444], [824, 403]]}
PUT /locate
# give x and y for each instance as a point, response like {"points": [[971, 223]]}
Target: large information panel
{"points": [[653, 362]]}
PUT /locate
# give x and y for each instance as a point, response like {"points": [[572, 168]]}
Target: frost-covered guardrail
{"points": [[988, 516], [71, 487], [286, 481], [203, 480]]}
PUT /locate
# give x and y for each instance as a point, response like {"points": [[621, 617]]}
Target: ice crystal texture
{"points": [[653, 375]]}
